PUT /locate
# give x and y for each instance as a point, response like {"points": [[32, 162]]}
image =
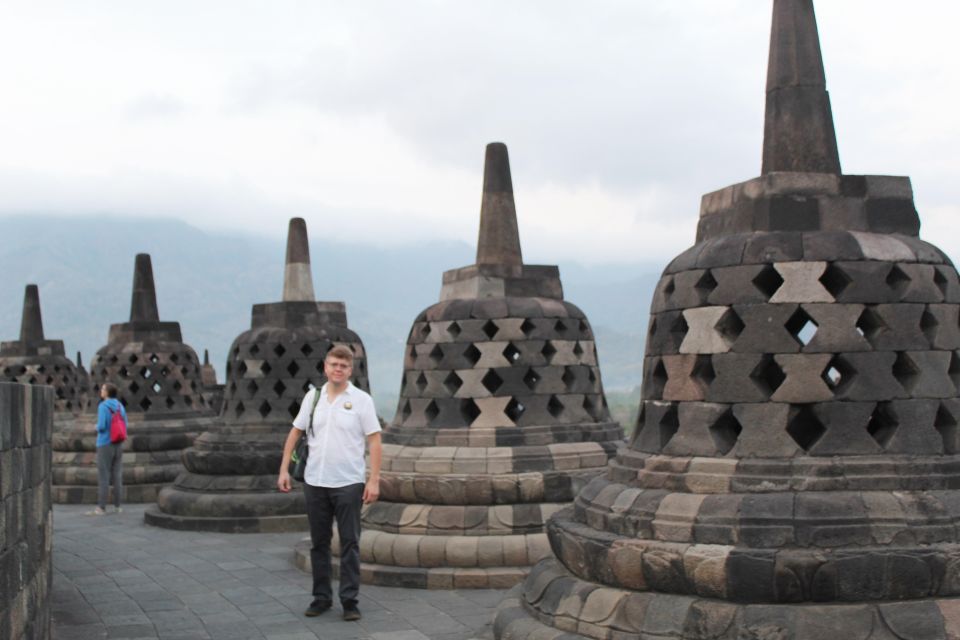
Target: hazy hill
{"points": [[208, 282]]}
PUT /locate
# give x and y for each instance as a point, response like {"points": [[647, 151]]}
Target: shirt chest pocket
{"points": [[345, 419]]}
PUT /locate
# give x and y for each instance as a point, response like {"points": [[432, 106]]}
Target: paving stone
{"points": [[268, 616]]}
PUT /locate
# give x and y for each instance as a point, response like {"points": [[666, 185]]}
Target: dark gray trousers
{"points": [[323, 506], [109, 466]]}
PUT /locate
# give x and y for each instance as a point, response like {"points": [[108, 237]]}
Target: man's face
{"points": [[337, 370]]}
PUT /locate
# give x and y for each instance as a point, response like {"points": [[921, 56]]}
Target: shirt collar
{"points": [[350, 387]]}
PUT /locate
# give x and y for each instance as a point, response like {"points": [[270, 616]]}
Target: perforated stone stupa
{"points": [[501, 418], [794, 470], [229, 483], [212, 390], [159, 383], [37, 361]]}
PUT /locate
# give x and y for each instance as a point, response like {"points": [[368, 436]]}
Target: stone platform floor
{"points": [[115, 577]]}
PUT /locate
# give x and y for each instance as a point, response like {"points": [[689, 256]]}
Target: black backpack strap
{"points": [[313, 408]]}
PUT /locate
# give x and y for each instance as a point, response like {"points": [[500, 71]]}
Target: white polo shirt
{"points": [[340, 431]]}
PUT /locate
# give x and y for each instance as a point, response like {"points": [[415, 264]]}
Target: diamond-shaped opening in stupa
{"points": [[669, 425], [767, 281], [527, 327], [472, 354], [431, 411], [729, 326], [514, 409], [555, 406], [883, 424], [469, 410], [725, 431], [705, 284], [804, 426], [802, 327], [906, 371], [422, 382], [835, 280], [767, 375], [491, 381], [897, 280], [531, 379], [452, 383]]}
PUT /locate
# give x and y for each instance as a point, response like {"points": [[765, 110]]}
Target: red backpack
{"points": [[118, 427]]}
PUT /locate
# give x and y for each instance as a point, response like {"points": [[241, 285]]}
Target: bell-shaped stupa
{"points": [[793, 473], [35, 360], [212, 390], [158, 381], [230, 480], [501, 418]]}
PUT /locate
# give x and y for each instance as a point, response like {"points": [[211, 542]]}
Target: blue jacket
{"points": [[103, 419]]}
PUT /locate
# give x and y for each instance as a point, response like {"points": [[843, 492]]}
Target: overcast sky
{"points": [[369, 118]]}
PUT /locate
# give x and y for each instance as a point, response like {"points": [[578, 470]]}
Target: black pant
{"points": [[323, 505]]}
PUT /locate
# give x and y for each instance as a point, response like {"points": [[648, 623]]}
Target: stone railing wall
{"points": [[26, 516]]}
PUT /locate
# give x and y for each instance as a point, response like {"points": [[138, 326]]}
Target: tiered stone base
{"points": [[151, 457], [228, 504], [254, 524], [469, 517], [554, 604], [440, 562], [228, 484]]}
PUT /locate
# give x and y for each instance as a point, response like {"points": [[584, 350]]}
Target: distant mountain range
{"points": [[208, 282]]}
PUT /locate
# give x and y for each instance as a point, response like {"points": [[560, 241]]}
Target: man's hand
{"points": [[283, 481], [371, 492]]}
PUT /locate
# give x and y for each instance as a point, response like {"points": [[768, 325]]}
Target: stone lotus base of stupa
{"points": [[420, 561], [151, 457], [228, 504], [228, 484], [467, 517], [554, 604]]}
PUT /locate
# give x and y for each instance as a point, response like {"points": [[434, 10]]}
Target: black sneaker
{"points": [[316, 608], [351, 614]]}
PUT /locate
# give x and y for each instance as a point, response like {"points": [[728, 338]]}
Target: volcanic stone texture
{"points": [[54, 370], [501, 420], [795, 445], [229, 481], [35, 360], [26, 516]]}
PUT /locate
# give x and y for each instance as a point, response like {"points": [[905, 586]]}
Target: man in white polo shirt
{"points": [[344, 421]]}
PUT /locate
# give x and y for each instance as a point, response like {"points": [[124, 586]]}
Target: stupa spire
{"points": [[297, 281], [206, 357], [143, 305], [798, 130], [31, 324], [499, 241], [79, 360]]}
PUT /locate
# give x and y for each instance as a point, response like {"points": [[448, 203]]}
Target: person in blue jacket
{"points": [[109, 454]]}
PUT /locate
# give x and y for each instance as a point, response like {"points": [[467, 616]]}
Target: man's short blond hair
{"points": [[341, 352]]}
